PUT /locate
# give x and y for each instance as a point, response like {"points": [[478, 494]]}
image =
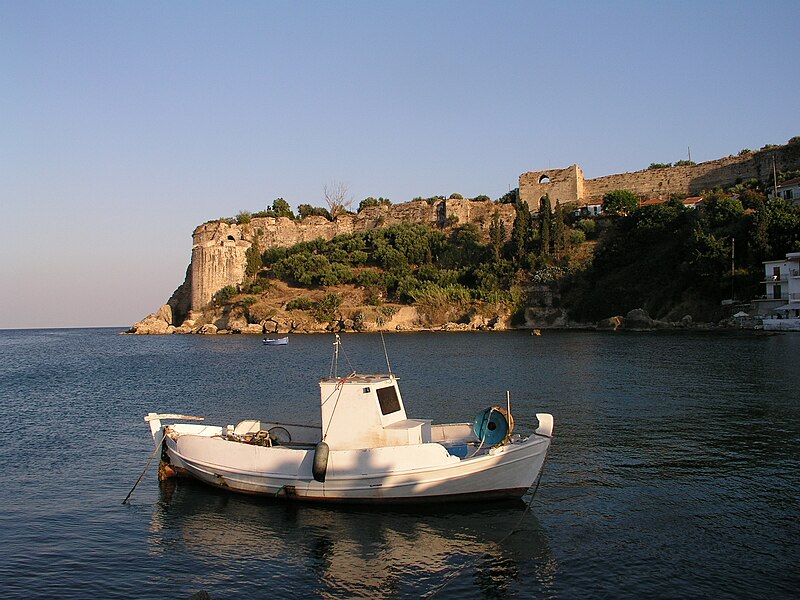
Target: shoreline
{"points": [[534, 331]]}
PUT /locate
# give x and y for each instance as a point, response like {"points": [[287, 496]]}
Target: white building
{"points": [[788, 190], [589, 210], [781, 305]]}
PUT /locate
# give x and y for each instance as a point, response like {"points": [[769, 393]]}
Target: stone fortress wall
{"points": [[568, 185], [219, 248]]}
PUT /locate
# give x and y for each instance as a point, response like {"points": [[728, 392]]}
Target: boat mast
{"points": [[386, 354]]}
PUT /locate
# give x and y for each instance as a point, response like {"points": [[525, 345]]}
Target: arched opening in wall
{"points": [[544, 179], [231, 238]]}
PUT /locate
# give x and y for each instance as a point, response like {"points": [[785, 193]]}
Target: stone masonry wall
{"points": [[658, 183], [219, 248], [561, 185]]}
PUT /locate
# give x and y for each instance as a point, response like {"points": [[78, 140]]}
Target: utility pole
{"points": [[774, 179], [690, 153], [733, 240]]}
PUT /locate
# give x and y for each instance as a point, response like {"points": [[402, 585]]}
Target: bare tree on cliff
{"points": [[336, 197]]}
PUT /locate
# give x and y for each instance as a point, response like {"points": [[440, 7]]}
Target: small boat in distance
{"points": [[276, 342], [365, 449]]}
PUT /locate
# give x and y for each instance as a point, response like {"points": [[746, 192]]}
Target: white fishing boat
{"points": [[365, 450]]}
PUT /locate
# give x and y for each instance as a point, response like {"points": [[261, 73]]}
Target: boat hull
{"points": [[421, 473], [790, 324]]}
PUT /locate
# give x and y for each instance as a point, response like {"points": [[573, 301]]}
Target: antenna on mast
{"points": [[335, 359]]}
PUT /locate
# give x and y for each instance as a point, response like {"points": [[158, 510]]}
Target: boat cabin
{"points": [[367, 411]]}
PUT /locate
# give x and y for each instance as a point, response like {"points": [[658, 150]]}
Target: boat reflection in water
{"points": [[313, 550]]}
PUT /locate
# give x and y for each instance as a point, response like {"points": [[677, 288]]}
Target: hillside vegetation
{"points": [[672, 260], [666, 258]]}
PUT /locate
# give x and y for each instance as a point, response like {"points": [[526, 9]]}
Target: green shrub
{"points": [[576, 237], [258, 286], [273, 255], [387, 310], [306, 210], [358, 257], [225, 295], [301, 303], [588, 226], [369, 277], [373, 202], [325, 310]]}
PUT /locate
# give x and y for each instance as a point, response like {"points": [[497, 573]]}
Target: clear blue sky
{"points": [[123, 125]]}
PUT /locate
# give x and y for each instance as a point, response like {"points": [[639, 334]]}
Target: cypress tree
{"points": [[521, 233], [545, 224], [559, 231]]}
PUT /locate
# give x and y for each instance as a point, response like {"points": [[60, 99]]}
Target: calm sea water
{"points": [[674, 472]]}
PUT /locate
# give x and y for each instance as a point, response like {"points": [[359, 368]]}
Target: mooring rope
{"points": [[147, 466]]}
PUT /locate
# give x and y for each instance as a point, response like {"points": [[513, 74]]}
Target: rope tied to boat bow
{"points": [[159, 446]]}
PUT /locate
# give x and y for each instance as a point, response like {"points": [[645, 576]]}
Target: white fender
{"points": [[545, 424]]}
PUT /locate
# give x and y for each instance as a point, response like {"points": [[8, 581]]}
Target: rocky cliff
{"points": [[219, 248]]}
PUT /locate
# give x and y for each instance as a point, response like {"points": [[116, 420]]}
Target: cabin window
{"points": [[387, 398]]}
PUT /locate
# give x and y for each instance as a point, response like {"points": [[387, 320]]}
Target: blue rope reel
{"points": [[493, 426]]}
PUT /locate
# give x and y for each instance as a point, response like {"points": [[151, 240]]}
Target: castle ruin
{"points": [[569, 186], [219, 248]]}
